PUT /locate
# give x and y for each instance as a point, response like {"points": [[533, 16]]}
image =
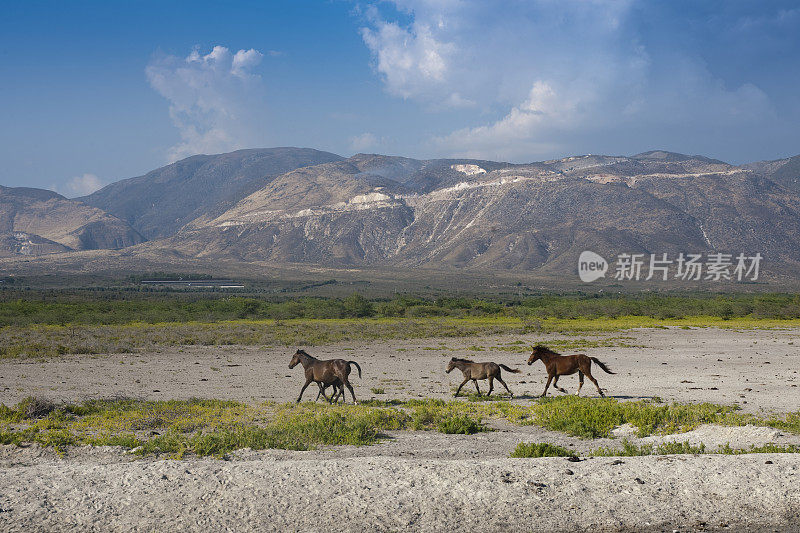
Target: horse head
{"points": [[296, 358], [536, 353]]}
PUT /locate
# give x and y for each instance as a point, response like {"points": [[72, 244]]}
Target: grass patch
{"points": [[217, 427], [766, 448], [630, 449], [34, 340], [304, 430], [675, 448], [21, 306], [461, 425], [540, 449], [376, 390], [596, 417], [446, 417]]}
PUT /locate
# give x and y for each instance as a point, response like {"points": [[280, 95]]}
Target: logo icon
{"points": [[591, 266]]}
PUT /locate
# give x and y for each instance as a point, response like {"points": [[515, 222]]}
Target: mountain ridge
{"points": [[38, 221], [458, 214], [390, 211], [163, 200]]}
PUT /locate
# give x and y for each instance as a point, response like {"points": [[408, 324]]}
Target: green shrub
{"points": [[766, 448], [668, 448], [445, 417], [581, 417], [460, 424], [596, 417], [32, 407], [540, 449]]}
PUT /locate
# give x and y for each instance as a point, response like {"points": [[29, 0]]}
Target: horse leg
{"points": [[504, 385], [555, 385], [475, 381], [591, 378], [337, 393], [308, 382], [322, 388], [580, 383], [549, 379], [340, 393], [321, 392], [350, 388], [459, 387], [491, 386]]}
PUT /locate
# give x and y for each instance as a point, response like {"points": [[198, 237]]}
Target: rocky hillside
{"points": [[36, 222], [289, 205], [162, 201], [785, 172], [380, 210]]}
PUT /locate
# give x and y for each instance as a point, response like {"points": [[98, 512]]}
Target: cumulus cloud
{"points": [[213, 98], [411, 60], [83, 185], [517, 131], [539, 78]]}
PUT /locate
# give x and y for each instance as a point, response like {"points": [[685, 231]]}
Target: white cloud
{"points": [[517, 131], [363, 142], [544, 77], [411, 60], [83, 185], [214, 99]]}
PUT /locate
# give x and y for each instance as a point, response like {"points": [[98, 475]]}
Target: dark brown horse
{"points": [[475, 371], [564, 365], [330, 372], [338, 391]]}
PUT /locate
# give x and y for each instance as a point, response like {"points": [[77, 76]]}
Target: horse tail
{"points": [[514, 370], [601, 365], [358, 367]]}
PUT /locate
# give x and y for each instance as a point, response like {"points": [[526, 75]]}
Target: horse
{"points": [[330, 372], [475, 371], [564, 365], [338, 391]]}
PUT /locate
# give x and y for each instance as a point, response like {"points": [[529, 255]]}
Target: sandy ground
{"points": [[420, 481], [756, 369], [672, 493]]}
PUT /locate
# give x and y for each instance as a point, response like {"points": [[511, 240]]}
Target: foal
{"points": [[475, 371], [564, 365], [338, 391], [330, 372]]}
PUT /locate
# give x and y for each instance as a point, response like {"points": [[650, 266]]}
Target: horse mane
{"points": [[303, 352], [461, 360], [543, 348]]}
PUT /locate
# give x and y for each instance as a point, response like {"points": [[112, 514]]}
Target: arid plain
{"points": [[425, 480]]}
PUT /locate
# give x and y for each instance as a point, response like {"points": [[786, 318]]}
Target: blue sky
{"points": [[93, 92]]}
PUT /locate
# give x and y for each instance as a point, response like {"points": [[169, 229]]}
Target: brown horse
{"points": [[564, 365], [331, 372], [338, 391], [475, 371]]}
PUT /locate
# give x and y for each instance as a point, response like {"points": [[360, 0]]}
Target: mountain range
{"points": [[37, 221], [293, 205]]}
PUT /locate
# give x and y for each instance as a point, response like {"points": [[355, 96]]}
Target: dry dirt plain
{"points": [[420, 481], [756, 369]]}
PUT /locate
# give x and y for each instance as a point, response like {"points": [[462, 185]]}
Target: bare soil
{"points": [[421, 481], [755, 369]]}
